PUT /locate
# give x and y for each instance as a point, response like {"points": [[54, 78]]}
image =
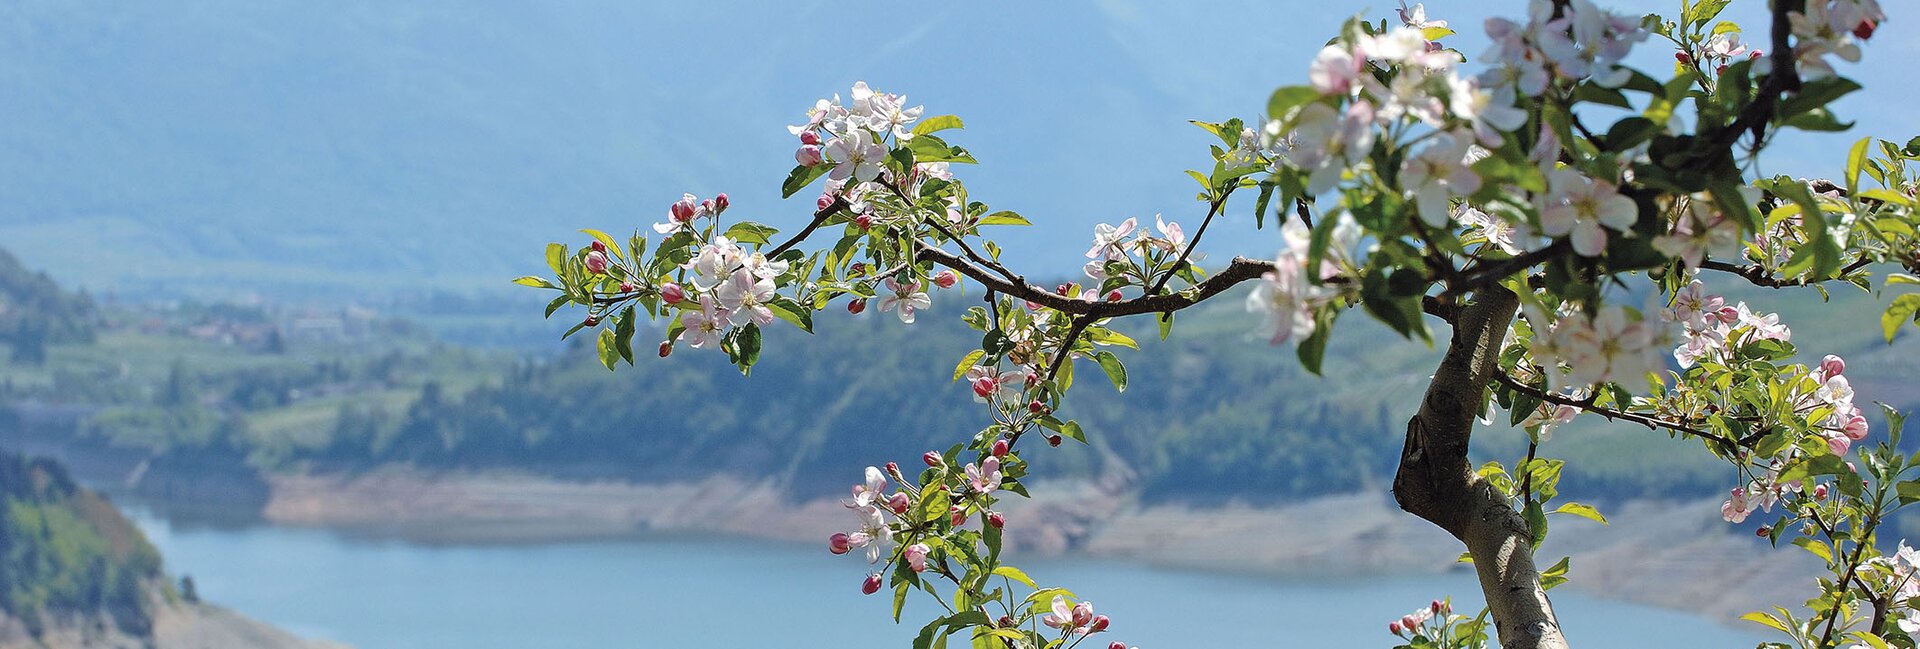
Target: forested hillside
{"points": [[67, 554], [1211, 413], [35, 313]]}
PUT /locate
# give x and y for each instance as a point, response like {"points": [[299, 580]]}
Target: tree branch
{"points": [[1651, 423], [1212, 210], [1489, 274], [1783, 77], [1760, 277], [1436, 481], [1239, 270]]}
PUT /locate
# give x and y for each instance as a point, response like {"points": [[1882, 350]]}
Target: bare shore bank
{"points": [[1674, 554]]}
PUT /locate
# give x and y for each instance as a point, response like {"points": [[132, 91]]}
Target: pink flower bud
{"points": [[1762, 531], [1098, 624], [1832, 366], [1407, 622], [1435, 607], [808, 155], [1394, 627], [672, 293], [945, 279], [898, 503], [591, 320], [666, 348], [598, 247], [838, 543], [1000, 447], [1856, 428], [957, 515], [863, 221], [720, 202], [856, 306], [1683, 57], [1005, 622], [984, 386], [871, 585], [893, 468], [916, 556], [1864, 30], [809, 137], [933, 459], [1820, 492], [1053, 440], [683, 210], [822, 203], [1082, 613], [1032, 379], [1839, 444], [626, 287], [997, 520], [1117, 645], [596, 262], [1036, 407], [1113, 295], [858, 268]]}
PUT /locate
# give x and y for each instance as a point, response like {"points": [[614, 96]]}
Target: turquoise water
{"points": [[723, 593]]}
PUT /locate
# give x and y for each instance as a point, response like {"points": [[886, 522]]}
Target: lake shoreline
{"points": [[1670, 554]]}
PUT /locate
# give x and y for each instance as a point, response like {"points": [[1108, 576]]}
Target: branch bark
{"points": [[1436, 482]]}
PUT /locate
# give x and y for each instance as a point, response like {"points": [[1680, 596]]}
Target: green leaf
{"points": [[1814, 95], [1073, 431], [750, 232], [936, 124], [536, 282], [1004, 217], [1536, 522], [1287, 98], [1630, 132], [606, 239], [609, 354], [557, 258], [786, 309], [1314, 348], [972, 358], [623, 334], [1903, 307], [1704, 11], [1765, 619], [1015, 574], [1856, 160], [1105, 336], [928, 148], [1591, 92], [801, 177], [1909, 492], [1116, 372], [1166, 324], [1582, 510]]}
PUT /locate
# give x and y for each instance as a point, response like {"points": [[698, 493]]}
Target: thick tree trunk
{"points": [[1436, 482]]}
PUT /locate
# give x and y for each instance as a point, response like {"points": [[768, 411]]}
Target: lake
{"points": [[725, 593]]}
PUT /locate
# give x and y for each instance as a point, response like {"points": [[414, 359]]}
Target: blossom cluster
{"points": [[1832, 28], [1435, 625], [1290, 295], [1614, 345]]}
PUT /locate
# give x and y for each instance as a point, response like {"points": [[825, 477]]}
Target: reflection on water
{"points": [[723, 593]]}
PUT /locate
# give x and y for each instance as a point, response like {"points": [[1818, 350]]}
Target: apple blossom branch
{"points": [[1587, 405], [1761, 277], [1783, 76]]}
